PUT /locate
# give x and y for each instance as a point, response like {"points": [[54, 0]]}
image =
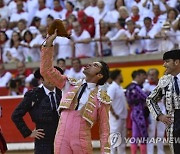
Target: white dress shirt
{"points": [[83, 100], [47, 91]]}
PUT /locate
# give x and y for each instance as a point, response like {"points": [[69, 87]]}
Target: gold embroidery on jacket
{"points": [[88, 109]]}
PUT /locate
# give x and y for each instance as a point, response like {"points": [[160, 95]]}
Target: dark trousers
{"points": [[176, 132], [43, 147]]}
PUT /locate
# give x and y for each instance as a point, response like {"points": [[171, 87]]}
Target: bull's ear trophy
{"points": [[61, 31]]}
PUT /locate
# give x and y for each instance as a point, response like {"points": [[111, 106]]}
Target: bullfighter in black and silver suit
{"points": [[169, 89]]}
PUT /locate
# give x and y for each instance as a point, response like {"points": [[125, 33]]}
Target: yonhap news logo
{"points": [[115, 139]]}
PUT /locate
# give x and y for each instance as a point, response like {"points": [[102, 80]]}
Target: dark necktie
{"points": [[176, 85], [53, 101], [80, 94]]}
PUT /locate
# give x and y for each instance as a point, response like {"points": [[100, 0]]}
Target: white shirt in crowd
{"points": [[76, 75], [31, 54], [43, 15], [4, 12], [17, 53], [64, 47], [167, 44], [18, 16], [59, 14], [13, 8], [150, 45], [5, 79], [82, 49], [136, 46], [119, 48], [91, 11], [109, 4]]}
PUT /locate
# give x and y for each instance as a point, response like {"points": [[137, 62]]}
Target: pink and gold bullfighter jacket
{"points": [[97, 106]]}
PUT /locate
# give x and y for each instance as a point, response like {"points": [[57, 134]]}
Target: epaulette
{"points": [[103, 97], [165, 80], [74, 81]]}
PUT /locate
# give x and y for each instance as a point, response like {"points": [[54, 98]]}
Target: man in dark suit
{"points": [[41, 103]]}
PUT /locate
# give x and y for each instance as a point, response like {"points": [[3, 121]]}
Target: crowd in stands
{"points": [[97, 27]]}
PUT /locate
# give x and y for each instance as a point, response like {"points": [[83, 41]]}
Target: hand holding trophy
{"points": [[56, 29]]}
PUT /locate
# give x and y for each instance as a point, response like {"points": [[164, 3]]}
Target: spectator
{"points": [[147, 34], [13, 6], [157, 16], [32, 7], [15, 53], [119, 45], [43, 12], [113, 16], [70, 9], [109, 5], [71, 18], [103, 43], [21, 27], [4, 44], [22, 71], [86, 22], [5, 76], [21, 14], [172, 15], [76, 71], [102, 12], [92, 9], [135, 46], [4, 26], [21, 74], [178, 5], [13, 86], [4, 11], [58, 12], [136, 17], [61, 63], [40, 38], [31, 53], [81, 40], [80, 4], [49, 20], [146, 7], [36, 22], [169, 4], [123, 12], [166, 38], [176, 28]]}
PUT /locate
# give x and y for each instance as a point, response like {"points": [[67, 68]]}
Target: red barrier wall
{"points": [[10, 132]]}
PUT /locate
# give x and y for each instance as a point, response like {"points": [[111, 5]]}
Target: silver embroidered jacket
{"points": [[165, 90]]}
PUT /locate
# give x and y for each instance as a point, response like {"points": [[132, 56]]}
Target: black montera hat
{"points": [[37, 74], [173, 54]]}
